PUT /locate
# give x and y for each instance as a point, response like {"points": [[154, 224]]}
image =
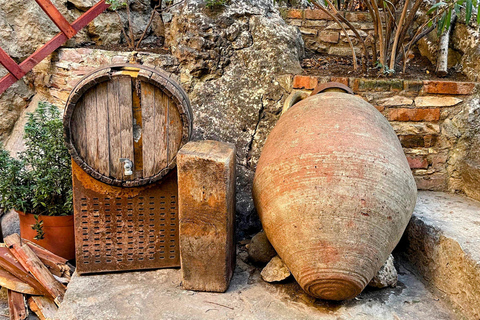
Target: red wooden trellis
{"points": [[17, 71]]}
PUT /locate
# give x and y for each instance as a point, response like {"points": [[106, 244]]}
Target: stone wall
{"points": [[321, 34], [433, 120]]}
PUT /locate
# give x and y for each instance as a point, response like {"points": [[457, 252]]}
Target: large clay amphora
{"points": [[334, 192]]}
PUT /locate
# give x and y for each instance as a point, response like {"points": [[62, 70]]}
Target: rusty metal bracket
{"points": [[331, 85]]}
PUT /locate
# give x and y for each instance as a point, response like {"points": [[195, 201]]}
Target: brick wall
{"points": [[422, 114], [320, 33]]}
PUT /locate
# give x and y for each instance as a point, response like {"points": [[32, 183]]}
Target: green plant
{"points": [[116, 4], [40, 180], [393, 22], [215, 3]]}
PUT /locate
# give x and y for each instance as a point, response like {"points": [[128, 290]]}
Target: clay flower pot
{"points": [[59, 233], [334, 192]]}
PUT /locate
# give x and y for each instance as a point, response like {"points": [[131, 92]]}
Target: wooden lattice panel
{"points": [[17, 71]]}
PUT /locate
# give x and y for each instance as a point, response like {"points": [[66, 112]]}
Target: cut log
{"points": [[10, 264], [57, 265], [442, 58], [16, 305], [35, 266], [43, 307], [10, 282]]}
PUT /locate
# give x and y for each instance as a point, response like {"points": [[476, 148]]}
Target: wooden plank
{"points": [[161, 130], [16, 305], [43, 307], [102, 129], [57, 18], [126, 119], [79, 129], [53, 44], [10, 64], [148, 120], [11, 282], [175, 130], [34, 265], [56, 265], [137, 132], [90, 114], [10, 264], [115, 145]]}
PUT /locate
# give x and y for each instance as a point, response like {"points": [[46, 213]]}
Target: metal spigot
{"points": [[127, 165]]}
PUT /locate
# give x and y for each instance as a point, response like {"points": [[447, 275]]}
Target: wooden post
{"points": [[206, 197]]}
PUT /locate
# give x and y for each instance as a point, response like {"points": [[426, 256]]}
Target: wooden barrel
{"points": [[127, 112]]}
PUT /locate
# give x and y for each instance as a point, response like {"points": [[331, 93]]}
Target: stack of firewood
{"points": [[34, 277]]}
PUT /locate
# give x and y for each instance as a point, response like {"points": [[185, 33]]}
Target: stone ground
{"points": [[159, 295], [441, 245]]}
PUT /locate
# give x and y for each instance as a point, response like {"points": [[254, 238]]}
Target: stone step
{"points": [[442, 242], [159, 295]]}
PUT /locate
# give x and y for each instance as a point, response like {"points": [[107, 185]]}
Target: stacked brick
{"points": [[320, 33], [418, 111]]}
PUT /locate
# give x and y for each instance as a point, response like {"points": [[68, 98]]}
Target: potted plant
{"points": [[38, 185]]}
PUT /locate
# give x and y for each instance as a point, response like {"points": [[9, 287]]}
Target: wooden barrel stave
{"points": [[127, 111]]}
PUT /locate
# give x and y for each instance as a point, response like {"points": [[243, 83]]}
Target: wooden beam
{"points": [[10, 64], [43, 307], [32, 263], [16, 305], [57, 18], [53, 44]]}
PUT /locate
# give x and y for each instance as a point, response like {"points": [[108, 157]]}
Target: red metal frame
{"points": [[68, 30]]}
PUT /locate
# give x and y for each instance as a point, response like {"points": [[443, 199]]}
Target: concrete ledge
{"points": [[442, 242]]}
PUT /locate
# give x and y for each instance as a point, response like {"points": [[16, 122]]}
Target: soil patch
{"points": [[419, 67]]}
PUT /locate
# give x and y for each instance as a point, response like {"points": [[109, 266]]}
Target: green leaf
{"points": [[448, 20], [468, 11], [435, 6], [457, 9], [441, 23]]}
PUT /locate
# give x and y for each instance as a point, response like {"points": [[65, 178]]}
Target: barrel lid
{"points": [[126, 115]]}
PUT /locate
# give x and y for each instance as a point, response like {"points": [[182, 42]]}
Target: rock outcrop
{"points": [[234, 61]]}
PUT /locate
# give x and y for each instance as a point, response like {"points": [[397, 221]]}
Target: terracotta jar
{"points": [[334, 192], [59, 233]]}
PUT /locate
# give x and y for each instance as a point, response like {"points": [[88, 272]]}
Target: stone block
{"points": [[315, 23], [329, 36], [441, 243], [206, 197], [412, 85], [417, 141], [304, 82], [308, 31], [358, 16], [342, 80], [395, 101], [316, 14], [417, 162], [434, 182], [295, 14], [343, 51], [405, 114], [436, 101], [448, 87]]}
